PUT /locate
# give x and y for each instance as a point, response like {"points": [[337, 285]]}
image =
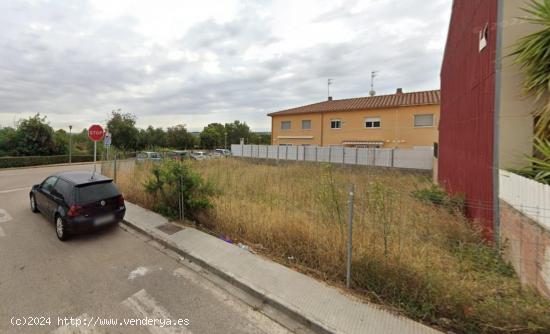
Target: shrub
{"points": [[172, 178], [438, 196], [25, 161]]}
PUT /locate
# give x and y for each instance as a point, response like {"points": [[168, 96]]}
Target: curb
{"points": [[266, 299]]}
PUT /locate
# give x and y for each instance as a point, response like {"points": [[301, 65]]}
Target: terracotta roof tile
{"points": [[371, 102]]}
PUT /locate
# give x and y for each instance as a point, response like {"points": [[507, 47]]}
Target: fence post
{"points": [[392, 156], [356, 155], [343, 156], [181, 202], [330, 154], [286, 152], [278, 153], [304, 148], [350, 235]]}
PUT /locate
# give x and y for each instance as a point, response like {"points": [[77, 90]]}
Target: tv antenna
{"points": [[372, 76], [329, 82]]}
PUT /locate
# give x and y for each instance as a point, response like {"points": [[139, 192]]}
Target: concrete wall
{"points": [[527, 248], [397, 128], [515, 121]]}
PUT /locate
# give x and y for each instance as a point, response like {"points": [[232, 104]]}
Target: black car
{"points": [[78, 202]]}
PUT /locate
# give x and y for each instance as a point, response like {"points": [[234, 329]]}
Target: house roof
{"points": [[370, 102]]}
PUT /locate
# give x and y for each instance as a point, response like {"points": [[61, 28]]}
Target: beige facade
{"points": [[515, 121], [396, 129]]}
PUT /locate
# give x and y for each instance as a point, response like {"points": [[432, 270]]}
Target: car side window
{"points": [[48, 184], [63, 189]]}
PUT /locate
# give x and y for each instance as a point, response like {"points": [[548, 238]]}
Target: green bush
{"points": [[171, 178], [7, 162], [439, 197]]}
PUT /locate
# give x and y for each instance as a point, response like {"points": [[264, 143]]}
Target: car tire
{"points": [[34, 208], [61, 228]]}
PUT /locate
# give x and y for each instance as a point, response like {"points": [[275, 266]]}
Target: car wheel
{"points": [[34, 208], [61, 228]]}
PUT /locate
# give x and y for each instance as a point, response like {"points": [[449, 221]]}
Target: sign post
{"points": [[95, 133], [107, 142]]}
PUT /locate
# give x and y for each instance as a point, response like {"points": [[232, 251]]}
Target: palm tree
{"points": [[539, 170], [533, 55]]}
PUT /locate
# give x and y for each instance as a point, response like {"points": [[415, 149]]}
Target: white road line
{"points": [[260, 321], [14, 190], [82, 329], [143, 305], [5, 216]]}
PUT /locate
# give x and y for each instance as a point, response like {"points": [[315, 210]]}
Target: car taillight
{"points": [[121, 200], [74, 210]]}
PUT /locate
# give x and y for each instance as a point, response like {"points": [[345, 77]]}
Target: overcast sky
{"points": [[196, 62]]}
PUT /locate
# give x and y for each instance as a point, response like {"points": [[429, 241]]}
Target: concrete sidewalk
{"points": [[323, 308]]}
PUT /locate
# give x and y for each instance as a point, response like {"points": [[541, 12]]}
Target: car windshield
{"points": [[95, 192]]}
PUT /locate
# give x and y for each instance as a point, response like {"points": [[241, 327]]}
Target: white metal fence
{"points": [[527, 196], [384, 157]]}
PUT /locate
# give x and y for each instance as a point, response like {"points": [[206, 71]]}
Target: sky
{"points": [[175, 62]]}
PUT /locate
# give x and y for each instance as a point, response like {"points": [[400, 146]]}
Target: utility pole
{"points": [[225, 140], [70, 144]]}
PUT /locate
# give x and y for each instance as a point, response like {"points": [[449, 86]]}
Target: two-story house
{"points": [[400, 120]]}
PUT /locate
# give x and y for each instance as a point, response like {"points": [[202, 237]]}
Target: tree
{"points": [[61, 140], [7, 141], [152, 137], [236, 131], [212, 136], [178, 137], [259, 138], [34, 136], [533, 55], [123, 130]]}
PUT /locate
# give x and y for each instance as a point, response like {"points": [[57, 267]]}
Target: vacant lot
{"points": [[422, 260]]}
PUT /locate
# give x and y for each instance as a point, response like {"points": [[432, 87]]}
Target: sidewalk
{"points": [[306, 299]]}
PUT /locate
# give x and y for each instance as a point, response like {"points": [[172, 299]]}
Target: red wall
{"points": [[468, 107]]}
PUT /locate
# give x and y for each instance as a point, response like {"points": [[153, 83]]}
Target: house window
{"points": [[423, 121], [285, 125], [372, 122], [335, 124], [306, 124]]}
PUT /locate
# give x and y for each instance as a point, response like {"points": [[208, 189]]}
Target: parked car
{"points": [[148, 156], [223, 152], [179, 155], [199, 155], [77, 202]]}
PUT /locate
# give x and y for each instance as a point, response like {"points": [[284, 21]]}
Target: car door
{"points": [[61, 197], [43, 196]]}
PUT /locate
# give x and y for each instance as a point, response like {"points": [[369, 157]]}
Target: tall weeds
{"points": [[421, 259]]}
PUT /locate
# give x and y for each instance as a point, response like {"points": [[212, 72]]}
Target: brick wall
{"points": [[527, 248]]}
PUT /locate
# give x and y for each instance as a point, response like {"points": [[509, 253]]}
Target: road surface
{"points": [[114, 277]]}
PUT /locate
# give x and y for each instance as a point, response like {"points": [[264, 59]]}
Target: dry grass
{"points": [[422, 260]]}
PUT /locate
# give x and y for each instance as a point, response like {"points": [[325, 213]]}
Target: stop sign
{"points": [[95, 132]]}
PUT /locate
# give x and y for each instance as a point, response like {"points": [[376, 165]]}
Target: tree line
{"points": [[35, 136]]}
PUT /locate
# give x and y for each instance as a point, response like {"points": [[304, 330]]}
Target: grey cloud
{"points": [[71, 62]]}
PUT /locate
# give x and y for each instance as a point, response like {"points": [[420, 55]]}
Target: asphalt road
{"points": [[111, 275]]}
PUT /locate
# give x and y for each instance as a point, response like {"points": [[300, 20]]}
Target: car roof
{"points": [[81, 177]]}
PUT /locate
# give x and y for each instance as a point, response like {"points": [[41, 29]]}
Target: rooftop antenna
{"points": [[329, 82], [372, 76]]}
